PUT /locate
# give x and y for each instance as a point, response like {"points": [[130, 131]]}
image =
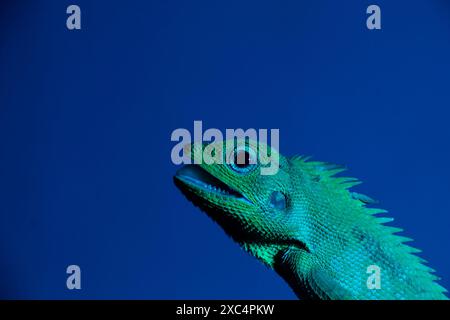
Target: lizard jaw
{"points": [[197, 179], [215, 198]]}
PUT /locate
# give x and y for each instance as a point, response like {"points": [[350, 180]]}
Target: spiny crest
{"points": [[326, 172], [409, 254]]}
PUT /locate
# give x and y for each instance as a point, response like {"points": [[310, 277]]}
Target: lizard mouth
{"points": [[195, 182], [194, 177]]}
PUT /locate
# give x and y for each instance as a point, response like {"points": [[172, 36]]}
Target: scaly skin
{"points": [[307, 225]]}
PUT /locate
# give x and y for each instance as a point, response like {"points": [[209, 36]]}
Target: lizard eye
{"points": [[243, 159]]}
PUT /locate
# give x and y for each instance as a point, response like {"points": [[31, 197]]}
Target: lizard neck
{"points": [[294, 266]]}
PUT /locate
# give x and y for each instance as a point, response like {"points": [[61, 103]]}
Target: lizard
{"points": [[307, 224]]}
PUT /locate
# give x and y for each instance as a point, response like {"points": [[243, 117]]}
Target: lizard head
{"points": [[251, 206]]}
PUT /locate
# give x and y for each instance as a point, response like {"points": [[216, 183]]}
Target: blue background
{"points": [[86, 118]]}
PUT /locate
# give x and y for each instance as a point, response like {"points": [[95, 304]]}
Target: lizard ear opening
{"points": [[278, 200]]}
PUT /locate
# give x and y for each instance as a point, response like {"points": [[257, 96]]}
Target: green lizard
{"points": [[306, 224]]}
